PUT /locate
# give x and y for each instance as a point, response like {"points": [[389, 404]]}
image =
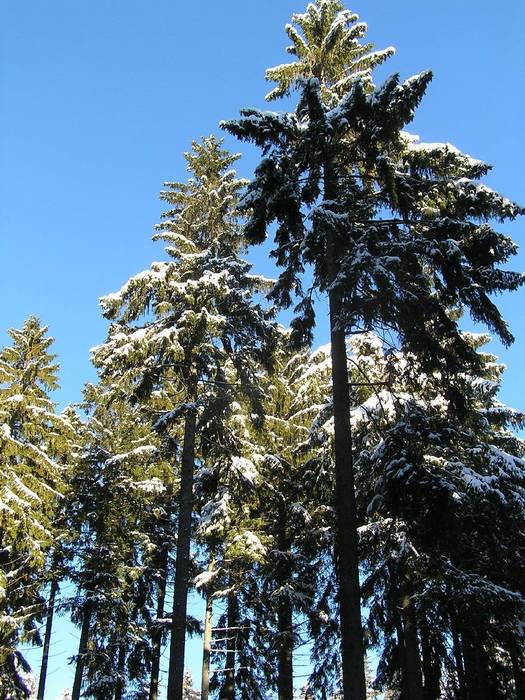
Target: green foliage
{"points": [[118, 518], [440, 502], [348, 179], [35, 447], [326, 45], [401, 235], [200, 298], [188, 337]]}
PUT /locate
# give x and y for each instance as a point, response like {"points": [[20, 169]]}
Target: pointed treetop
{"points": [[203, 209], [207, 159], [326, 44], [27, 364]]}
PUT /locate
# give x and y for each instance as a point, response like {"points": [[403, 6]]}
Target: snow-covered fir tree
{"points": [[118, 521], [292, 481], [56, 567], [264, 526], [444, 560], [230, 529], [213, 434], [326, 45], [65, 695], [180, 322], [188, 692], [395, 232], [34, 444], [435, 492]]}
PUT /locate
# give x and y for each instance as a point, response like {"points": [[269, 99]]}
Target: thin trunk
{"points": [[347, 543], [47, 640], [178, 623], [407, 639], [431, 668], [82, 649], [458, 658], [284, 614], [475, 667], [206, 649], [401, 651], [519, 675], [285, 679], [121, 671], [228, 688], [414, 680], [156, 636]]}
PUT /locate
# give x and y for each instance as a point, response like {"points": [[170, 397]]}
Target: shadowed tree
{"points": [[395, 233]]}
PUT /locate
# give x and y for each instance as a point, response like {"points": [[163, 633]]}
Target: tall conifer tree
{"points": [[202, 315], [395, 232], [34, 443], [438, 494], [116, 511]]}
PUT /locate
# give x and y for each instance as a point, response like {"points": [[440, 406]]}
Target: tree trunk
{"points": [[285, 679], [228, 688], [284, 614], [431, 667], [414, 680], [475, 668], [178, 623], [206, 649], [519, 675], [121, 671], [401, 650], [47, 639], [347, 543], [156, 636], [82, 649], [458, 658]]}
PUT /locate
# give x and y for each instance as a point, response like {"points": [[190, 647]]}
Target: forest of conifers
{"points": [[362, 501]]}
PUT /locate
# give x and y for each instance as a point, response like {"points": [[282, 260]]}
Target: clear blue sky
{"points": [[99, 99]]}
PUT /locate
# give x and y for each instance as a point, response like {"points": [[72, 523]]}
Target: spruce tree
{"points": [[228, 491], [34, 443], [290, 504], [434, 509], [188, 692], [395, 233], [115, 513], [201, 314], [326, 45], [56, 568]]}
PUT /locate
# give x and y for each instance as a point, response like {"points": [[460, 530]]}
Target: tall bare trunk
{"points": [[228, 688], [47, 639], [407, 638], [431, 666], [458, 658], [519, 675], [178, 623], [121, 672], [206, 649], [157, 631], [284, 614], [82, 649], [346, 538], [414, 680], [476, 678]]}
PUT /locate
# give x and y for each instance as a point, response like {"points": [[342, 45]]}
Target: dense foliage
{"points": [[352, 516]]}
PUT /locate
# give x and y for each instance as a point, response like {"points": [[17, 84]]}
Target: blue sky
{"points": [[100, 99]]}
